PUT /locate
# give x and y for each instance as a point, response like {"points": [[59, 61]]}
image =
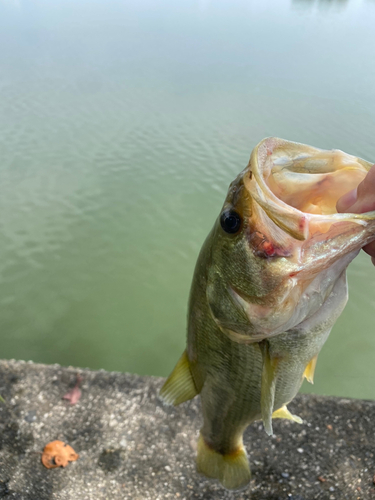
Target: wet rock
{"points": [[110, 460]]}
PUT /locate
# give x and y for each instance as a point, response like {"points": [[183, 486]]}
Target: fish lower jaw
{"points": [[295, 305], [267, 320]]}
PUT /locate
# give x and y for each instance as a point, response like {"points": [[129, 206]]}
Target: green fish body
{"points": [[269, 284]]}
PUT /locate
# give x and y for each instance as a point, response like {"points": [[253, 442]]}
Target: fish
{"points": [[268, 286]]}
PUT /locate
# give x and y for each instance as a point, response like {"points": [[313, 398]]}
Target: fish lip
{"points": [[262, 194], [290, 219]]}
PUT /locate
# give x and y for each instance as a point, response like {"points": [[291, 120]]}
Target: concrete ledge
{"points": [[132, 447]]}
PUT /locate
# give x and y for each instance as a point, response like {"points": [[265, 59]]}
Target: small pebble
{"points": [[300, 450], [285, 474], [31, 416]]}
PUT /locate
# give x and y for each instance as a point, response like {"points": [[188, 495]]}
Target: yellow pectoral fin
{"points": [[283, 412], [179, 386], [310, 370]]}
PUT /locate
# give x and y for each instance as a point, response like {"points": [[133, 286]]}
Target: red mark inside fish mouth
{"points": [[265, 248]]}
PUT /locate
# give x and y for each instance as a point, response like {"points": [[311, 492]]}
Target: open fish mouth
{"points": [[298, 186]]}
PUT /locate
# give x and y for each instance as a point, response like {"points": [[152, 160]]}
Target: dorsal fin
{"points": [[179, 386], [267, 396]]}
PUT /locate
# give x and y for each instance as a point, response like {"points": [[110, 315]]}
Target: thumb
{"points": [[346, 201], [361, 199]]}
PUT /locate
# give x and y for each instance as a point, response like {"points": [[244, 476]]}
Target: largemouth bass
{"points": [[269, 284]]}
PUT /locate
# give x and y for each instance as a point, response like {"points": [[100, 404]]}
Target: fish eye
{"points": [[230, 221]]}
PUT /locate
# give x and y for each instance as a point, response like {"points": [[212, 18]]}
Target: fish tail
{"points": [[179, 386], [231, 469]]}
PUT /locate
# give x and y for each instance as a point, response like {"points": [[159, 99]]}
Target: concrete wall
{"points": [[132, 447]]}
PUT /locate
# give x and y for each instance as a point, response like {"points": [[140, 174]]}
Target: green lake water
{"points": [[122, 125]]}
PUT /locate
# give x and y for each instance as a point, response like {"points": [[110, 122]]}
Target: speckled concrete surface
{"points": [[132, 447]]}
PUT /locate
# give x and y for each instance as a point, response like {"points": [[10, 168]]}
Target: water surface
{"points": [[122, 124]]}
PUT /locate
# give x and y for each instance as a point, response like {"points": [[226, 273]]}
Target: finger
{"points": [[370, 249], [346, 201], [361, 199]]}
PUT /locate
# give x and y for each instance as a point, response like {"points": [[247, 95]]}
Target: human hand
{"points": [[360, 200]]}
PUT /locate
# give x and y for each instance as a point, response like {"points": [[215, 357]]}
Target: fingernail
{"points": [[346, 201]]}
